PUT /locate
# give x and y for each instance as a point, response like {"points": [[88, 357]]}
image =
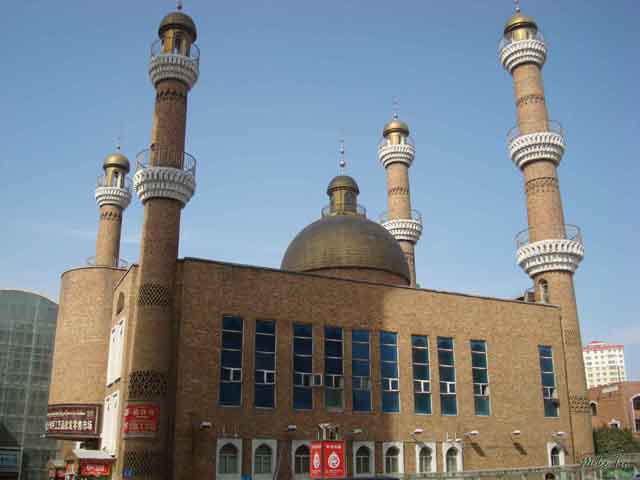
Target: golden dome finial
{"points": [[519, 21], [396, 128], [343, 161]]}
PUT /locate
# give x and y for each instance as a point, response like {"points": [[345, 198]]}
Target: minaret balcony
{"points": [[563, 253], [174, 65], [165, 173], [405, 229], [121, 263], [514, 52], [527, 144], [389, 153], [113, 191]]}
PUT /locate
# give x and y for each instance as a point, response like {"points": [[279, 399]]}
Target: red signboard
{"points": [[73, 420], [94, 470], [141, 419], [327, 459]]}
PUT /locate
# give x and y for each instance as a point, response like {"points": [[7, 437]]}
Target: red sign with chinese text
{"points": [[315, 467], [327, 459], [94, 469], [141, 420]]}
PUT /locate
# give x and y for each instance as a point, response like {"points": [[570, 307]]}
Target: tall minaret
{"points": [[165, 182], [113, 194], [396, 153], [549, 251]]}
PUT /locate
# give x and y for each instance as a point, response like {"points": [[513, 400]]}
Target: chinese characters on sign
{"points": [[73, 420], [327, 459], [141, 420], [94, 470]]}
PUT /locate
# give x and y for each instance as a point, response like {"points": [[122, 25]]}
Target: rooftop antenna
{"points": [[343, 161], [395, 107], [517, 3], [179, 5]]}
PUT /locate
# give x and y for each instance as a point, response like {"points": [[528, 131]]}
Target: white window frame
{"points": [[116, 352], [273, 445], [445, 448], [551, 446], [110, 418], [432, 446], [236, 442], [388, 384], [295, 444], [372, 464], [385, 447]]}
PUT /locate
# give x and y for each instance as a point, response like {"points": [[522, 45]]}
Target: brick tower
{"points": [[165, 182], [549, 251], [113, 194], [396, 152]]}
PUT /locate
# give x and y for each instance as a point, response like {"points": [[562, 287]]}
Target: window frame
{"points": [[303, 375], [550, 394], [334, 378], [237, 444], [386, 446], [370, 446], [364, 383], [450, 386], [265, 373], [390, 384], [233, 370], [484, 387], [425, 384]]}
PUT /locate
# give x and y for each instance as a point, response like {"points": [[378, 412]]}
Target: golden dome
{"points": [[518, 20], [343, 181], [178, 20], [345, 242], [117, 160], [395, 126]]}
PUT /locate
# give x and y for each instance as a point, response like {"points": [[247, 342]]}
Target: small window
{"points": [[363, 460], [392, 460], [231, 361], [265, 364], [389, 372], [301, 460], [228, 462], [333, 367], [543, 288], [302, 366], [447, 371], [120, 304], [262, 460], [555, 457], [421, 374], [594, 408], [452, 460], [636, 403], [361, 370], [424, 460]]}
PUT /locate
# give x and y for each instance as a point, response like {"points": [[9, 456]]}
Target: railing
{"points": [[122, 263], [166, 157], [405, 141], [192, 52], [523, 34], [531, 127], [415, 215], [339, 209], [120, 182], [571, 232]]}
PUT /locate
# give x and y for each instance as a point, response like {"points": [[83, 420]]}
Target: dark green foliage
{"points": [[614, 440]]}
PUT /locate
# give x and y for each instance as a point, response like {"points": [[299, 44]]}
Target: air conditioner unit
{"points": [[316, 380]]}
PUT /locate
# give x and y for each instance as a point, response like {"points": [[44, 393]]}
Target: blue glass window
{"points": [[333, 368], [302, 366], [480, 376], [447, 371], [389, 372], [265, 364], [421, 374], [361, 370], [548, 379], [231, 361]]}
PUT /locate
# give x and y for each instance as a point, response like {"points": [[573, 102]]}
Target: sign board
{"points": [[73, 421], [327, 459], [90, 469], [9, 460], [141, 419]]}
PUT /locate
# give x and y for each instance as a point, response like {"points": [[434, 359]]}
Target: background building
{"points": [[192, 368], [27, 330], [603, 363], [616, 405]]}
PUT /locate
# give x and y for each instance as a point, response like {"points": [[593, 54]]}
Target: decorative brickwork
{"points": [[579, 404], [571, 337], [524, 51], [152, 294], [145, 384], [398, 191], [111, 216], [170, 95], [541, 185], [142, 464], [529, 99]]}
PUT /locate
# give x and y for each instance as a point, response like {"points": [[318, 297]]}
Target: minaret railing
{"points": [[562, 253], [174, 65], [121, 262], [529, 142], [163, 172]]}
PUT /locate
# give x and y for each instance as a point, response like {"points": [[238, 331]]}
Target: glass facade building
{"points": [[27, 331]]}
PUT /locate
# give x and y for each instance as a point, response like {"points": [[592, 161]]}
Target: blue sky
{"points": [[280, 83]]}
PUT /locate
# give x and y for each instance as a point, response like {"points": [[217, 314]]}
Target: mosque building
{"points": [[196, 368]]}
